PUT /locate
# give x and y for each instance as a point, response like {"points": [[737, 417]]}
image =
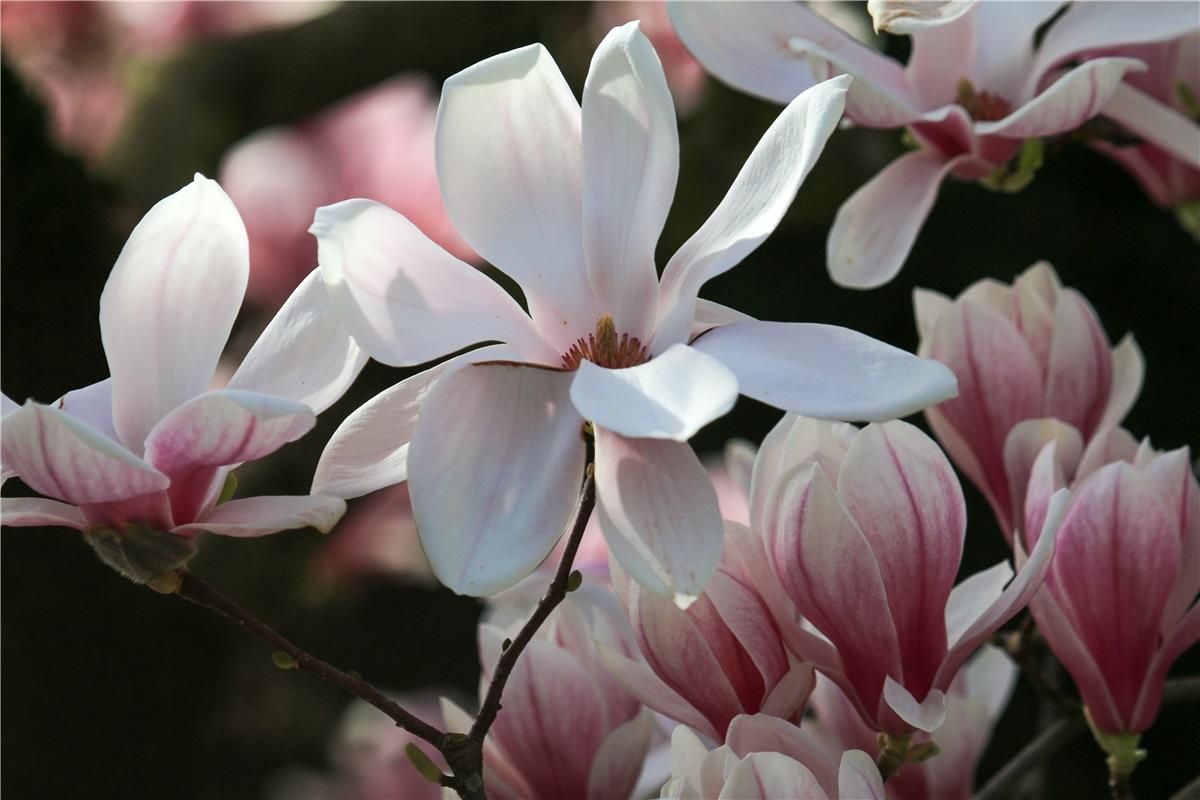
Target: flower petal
{"points": [[92, 404], [826, 372], [752, 207], [928, 307], [34, 512], [897, 16], [618, 762], [630, 165], [1025, 441], [406, 300], [62, 457], [258, 516], [640, 681], [927, 715], [669, 397], [497, 461], [874, 230], [1128, 373], [169, 305], [658, 511], [768, 776], [305, 354], [509, 159], [764, 733], [1069, 102], [859, 777], [969, 599], [1175, 644]]}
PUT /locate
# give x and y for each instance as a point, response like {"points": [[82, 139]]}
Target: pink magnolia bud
{"points": [[1118, 604], [567, 729], [976, 699], [1032, 350], [720, 657], [766, 758], [867, 546]]}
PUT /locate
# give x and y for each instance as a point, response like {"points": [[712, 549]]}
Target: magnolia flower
{"points": [[765, 758], [974, 90], [976, 699], [150, 449], [570, 203], [1021, 353], [721, 657], [568, 729], [1118, 607], [377, 144], [867, 544], [377, 536]]}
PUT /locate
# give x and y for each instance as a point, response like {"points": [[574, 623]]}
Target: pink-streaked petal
{"points": [[753, 206], [859, 777], [64, 458], [509, 159], [305, 354], [926, 715], [658, 511], [641, 682], [1178, 641], [630, 165], [1025, 441], [487, 434], [905, 498], [369, 450], [1128, 373], [618, 762], [259, 516], [1015, 596], [1080, 369], [1107, 446], [92, 404], [33, 512], [169, 305], [764, 733], [1069, 102], [1155, 122], [769, 776], [793, 441], [828, 570], [742, 611], [1046, 477], [969, 599], [825, 371], [875, 228], [928, 307], [669, 397], [1171, 473], [901, 17], [787, 699], [404, 299]]}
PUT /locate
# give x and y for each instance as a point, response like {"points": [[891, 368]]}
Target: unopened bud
{"points": [[423, 763], [574, 580], [139, 552], [283, 660], [507, 643]]}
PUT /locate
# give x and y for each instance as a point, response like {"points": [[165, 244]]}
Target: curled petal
{"points": [[1156, 122], [898, 16], [259, 516], [927, 715]]}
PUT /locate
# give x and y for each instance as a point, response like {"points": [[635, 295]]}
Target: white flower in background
{"points": [[569, 202]]}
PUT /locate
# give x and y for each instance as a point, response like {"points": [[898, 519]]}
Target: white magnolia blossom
{"points": [[569, 202]]}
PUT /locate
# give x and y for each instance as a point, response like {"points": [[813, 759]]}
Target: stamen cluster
{"points": [[604, 349]]}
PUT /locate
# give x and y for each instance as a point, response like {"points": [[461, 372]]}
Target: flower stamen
{"points": [[605, 348]]}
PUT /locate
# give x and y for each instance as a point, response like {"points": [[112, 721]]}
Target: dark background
{"points": [[109, 690]]}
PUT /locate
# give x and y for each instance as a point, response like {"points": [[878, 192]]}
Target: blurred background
{"points": [[109, 690]]}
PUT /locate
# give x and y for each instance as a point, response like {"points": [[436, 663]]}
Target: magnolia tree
{"points": [[789, 623]]}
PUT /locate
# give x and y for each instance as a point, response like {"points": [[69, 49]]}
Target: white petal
{"points": [[1129, 371], [28, 512], [827, 372], [403, 298], [752, 207], [497, 461], [898, 16], [926, 716], [669, 397], [7, 405], [658, 511], [258, 516], [509, 159], [859, 777], [875, 228], [369, 450], [62, 457], [92, 404], [969, 599], [630, 165], [928, 306], [1155, 122], [305, 354], [169, 305]]}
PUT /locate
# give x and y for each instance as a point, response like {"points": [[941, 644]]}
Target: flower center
{"points": [[983, 106], [605, 348]]}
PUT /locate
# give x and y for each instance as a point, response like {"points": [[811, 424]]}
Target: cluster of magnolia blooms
{"points": [[819, 572]]}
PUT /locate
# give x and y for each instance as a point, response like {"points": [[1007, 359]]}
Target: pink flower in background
{"points": [[369, 763], [975, 88], [377, 536], [976, 699], [570, 203], [1161, 107], [376, 144], [152, 446], [1119, 602], [765, 758], [868, 553], [721, 657], [1032, 350], [77, 55], [568, 729]]}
